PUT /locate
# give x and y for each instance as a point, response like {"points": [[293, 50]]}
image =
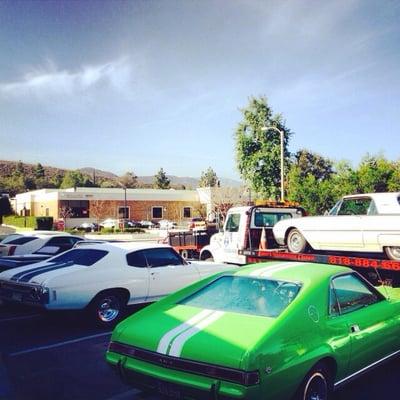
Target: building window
{"points": [[156, 212], [124, 212], [187, 212], [79, 208]]}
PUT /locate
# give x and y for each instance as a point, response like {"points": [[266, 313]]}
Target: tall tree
{"points": [[258, 147], [39, 171], [73, 179], [312, 163], [129, 180], [19, 168], [208, 178], [161, 180], [374, 173]]}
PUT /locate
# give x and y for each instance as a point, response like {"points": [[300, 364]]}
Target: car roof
{"points": [[293, 271]]}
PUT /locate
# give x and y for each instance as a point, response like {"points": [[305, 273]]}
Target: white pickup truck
{"points": [[243, 229]]}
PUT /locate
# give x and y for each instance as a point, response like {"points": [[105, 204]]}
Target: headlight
{"points": [[40, 293]]}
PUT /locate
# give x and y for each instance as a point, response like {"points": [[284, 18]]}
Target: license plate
{"points": [[16, 296], [168, 390]]}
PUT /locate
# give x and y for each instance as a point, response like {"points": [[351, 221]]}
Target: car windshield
{"points": [[85, 257], [246, 295]]}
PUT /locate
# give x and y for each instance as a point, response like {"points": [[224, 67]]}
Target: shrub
{"points": [[20, 222], [135, 230]]}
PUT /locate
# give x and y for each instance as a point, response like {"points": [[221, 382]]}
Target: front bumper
{"points": [[24, 293]]}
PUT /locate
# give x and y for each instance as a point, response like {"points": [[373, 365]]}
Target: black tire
{"points": [[393, 253], [318, 384], [185, 254], [296, 242], [107, 308]]}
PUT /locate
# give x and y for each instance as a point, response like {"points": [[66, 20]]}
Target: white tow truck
{"points": [[248, 228]]}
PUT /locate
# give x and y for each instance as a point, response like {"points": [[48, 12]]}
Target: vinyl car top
{"points": [[386, 203]]}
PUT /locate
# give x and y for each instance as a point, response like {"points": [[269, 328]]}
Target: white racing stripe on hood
{"points": [[179, 341], [170, 335]]}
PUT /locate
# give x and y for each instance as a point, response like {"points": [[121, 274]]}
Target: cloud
{"points": [[52, 81]]}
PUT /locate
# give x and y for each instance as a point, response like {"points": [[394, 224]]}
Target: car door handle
{"points": [[354, 328]]}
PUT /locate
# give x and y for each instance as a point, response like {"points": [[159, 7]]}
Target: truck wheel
{"points": [[316, 385], [393, 252], [185, 254], [107, 308], [296, 242]]}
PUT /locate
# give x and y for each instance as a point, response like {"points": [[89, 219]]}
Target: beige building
{"points": [[96, 204]]}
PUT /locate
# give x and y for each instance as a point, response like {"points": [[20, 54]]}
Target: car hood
{"points": [[214, 337], [18, 261], [39, 273]]}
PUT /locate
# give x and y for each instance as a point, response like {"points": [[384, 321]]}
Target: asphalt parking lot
{"points": [[61, 356]]}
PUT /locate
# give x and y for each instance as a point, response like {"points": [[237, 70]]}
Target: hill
{"points": [[17, 177]]}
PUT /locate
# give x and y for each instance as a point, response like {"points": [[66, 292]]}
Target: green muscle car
{"points": [[277, 330]]}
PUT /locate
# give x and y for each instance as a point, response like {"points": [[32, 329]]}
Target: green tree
{"points": [[258, 148], [56, 180], [312, 163], [129, 180], [394, 181], [107, 183], [39, 171], [19, 169], [208, 178], [374, 174], [161, 180], [73, 179], [5, 207], [316, 196]]}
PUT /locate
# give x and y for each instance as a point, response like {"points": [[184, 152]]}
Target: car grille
{"points": [[22, 292]]}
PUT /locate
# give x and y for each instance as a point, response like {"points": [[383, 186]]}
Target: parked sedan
{"points": [[56, 246], [103, 278], [28, 244], [166, 224], [357, 223], [270, 331], [109, 223]]}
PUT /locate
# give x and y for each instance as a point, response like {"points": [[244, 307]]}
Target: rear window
{"points": [[85, 257], [262, 219], [22, 240], [245, 295]]}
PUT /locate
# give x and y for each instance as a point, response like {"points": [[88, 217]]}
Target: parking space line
{"points": [[52, 346], [20, 318]]}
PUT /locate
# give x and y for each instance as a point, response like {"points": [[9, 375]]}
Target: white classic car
{"points": [[103, 278], [357, 223]]}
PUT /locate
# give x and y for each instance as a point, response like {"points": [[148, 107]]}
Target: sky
{"points": [[138, 85]]}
